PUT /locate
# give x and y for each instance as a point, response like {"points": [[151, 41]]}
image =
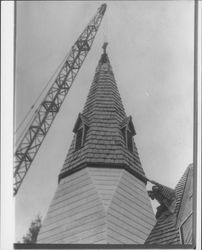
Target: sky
{"points": [[151, 50]]}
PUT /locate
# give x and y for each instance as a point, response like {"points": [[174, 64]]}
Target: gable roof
{"points": [[104, 143], [127, 122], [166, 230], [81, 119]]}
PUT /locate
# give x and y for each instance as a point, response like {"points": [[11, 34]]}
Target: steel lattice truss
{"points": [[48, 109]]}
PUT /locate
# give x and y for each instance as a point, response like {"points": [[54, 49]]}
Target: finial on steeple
{"points": [[104, 57], [104, 47]]}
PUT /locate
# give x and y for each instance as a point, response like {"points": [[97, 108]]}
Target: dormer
{"points": [[128, 131], [80, 129]]}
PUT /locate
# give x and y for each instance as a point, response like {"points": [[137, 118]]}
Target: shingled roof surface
{"points": [[105, 114], [166, 230]]}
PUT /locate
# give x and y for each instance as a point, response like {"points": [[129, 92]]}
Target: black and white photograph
{"points": [[104, 124]]}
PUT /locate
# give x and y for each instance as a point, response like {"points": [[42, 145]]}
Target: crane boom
{"points": [[49, 107]]}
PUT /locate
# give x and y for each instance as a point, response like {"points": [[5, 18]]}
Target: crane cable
{"points": [[105, 28], [45, 87], [35, 102], [32, 107]]}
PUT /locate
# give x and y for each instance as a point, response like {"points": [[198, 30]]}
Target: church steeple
{"points": [[101, 195], [107, 135]]}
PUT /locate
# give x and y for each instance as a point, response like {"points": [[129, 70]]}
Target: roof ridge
{"points": [[184, 179], [182, 183]]}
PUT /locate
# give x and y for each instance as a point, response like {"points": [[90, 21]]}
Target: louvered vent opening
{"points": [[130, 141], [128, 138], [79, 135]]}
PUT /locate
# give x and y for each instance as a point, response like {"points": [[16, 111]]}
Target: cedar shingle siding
{"points": [[104, 142]]}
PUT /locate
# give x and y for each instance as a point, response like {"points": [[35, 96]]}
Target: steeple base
{"points": [[99, 205]]}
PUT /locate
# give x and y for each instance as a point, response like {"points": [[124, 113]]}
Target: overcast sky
{"points": [[151, 52]]}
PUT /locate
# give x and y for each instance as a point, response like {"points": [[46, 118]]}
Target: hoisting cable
{"points": [[105, 28], [36, 100], [51, 103]]}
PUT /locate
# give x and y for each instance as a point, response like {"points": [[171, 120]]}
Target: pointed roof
{"points": [[127, 122], [166, 229], [105, 116], [80, 120]]}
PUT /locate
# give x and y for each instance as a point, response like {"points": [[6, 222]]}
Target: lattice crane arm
{"points": [[48, 109]]}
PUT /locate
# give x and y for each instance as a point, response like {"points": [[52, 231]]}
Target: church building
{"points": [[101, 196]]}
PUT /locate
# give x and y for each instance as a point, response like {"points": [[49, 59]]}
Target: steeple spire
{"points": [[107, 135], [101, 195]]}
